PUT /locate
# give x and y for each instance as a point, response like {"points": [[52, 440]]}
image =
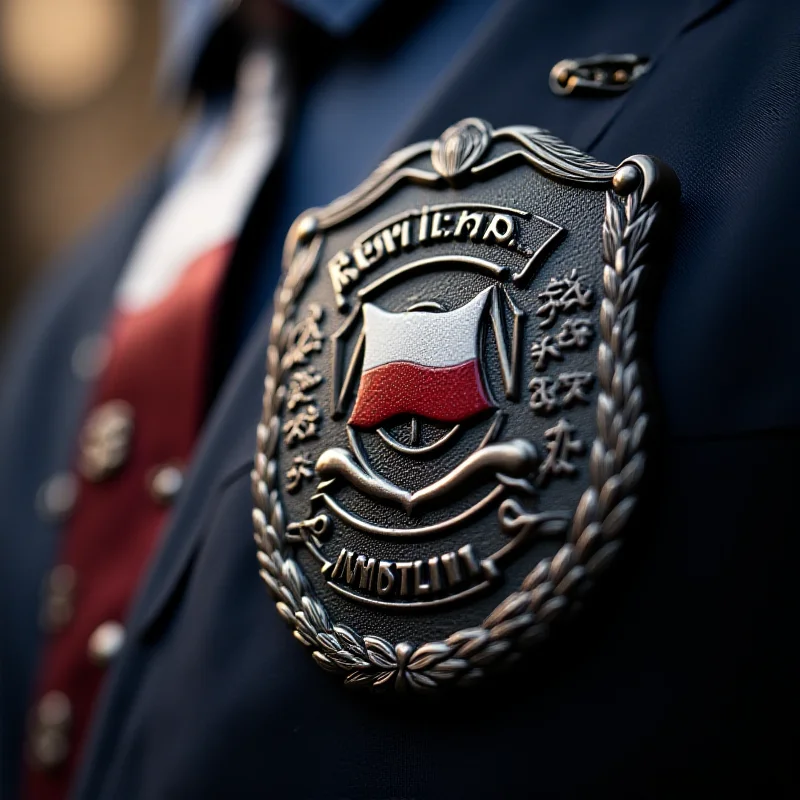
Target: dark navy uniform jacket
{"points": [[682, 680]]}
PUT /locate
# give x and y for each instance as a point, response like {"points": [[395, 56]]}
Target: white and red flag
{"points": [[423, 363]]}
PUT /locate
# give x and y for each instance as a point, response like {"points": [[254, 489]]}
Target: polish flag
{"points": [[422, 363]]}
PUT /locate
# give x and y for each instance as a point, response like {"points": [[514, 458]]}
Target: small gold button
{"points": [[90, 356], [49, 748], [166, 482], [54, 710], [56, 497], [48, 741], [105, 642], [62, 578], [105, 441], [58, 598]]}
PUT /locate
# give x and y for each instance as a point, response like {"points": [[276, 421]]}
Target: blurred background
{"points": [[78, 120]]}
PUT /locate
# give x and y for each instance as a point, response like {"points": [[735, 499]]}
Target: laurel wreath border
{"points": [[549, 591]]}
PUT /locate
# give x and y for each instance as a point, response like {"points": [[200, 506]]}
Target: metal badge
{"points": [[454, 422]]}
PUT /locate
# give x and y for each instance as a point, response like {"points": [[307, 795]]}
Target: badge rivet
{"points": [[626, 179], [306, 228]]}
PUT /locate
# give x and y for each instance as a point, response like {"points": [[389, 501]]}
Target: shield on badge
{"points": [[453, 438]]}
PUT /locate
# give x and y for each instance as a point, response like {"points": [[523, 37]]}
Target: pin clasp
{"points": [[597, 75]]}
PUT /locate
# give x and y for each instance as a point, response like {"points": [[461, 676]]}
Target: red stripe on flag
{"points": [[445, 394]]}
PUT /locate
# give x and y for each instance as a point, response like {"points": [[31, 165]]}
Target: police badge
{"points": [[454, 414]]}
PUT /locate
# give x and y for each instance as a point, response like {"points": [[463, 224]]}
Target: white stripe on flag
{"points": [[428, 338]]}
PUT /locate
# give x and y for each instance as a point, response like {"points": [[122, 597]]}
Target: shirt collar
{"points": [[189, 25]]}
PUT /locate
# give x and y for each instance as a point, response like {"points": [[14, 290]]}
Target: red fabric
{"points": [[446, 394], [157, 365]]}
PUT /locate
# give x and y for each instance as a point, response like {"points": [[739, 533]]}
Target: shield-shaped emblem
{"points": [[455, 407]]}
